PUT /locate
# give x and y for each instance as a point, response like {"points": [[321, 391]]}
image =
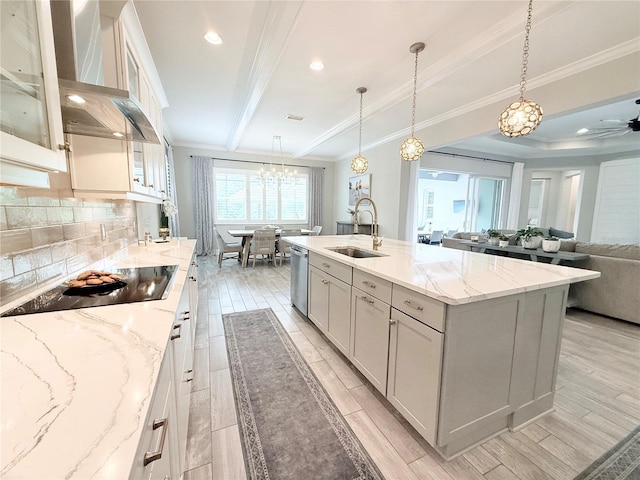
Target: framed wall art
{"points": [[359, 186]]}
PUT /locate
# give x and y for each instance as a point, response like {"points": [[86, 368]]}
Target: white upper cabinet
{"points": [[31, 121], [141, 167]]}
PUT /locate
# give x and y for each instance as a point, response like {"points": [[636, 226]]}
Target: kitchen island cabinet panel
{"points": [[476, 372], [319, 298], [415, 359], [329, 307], [369, 350]]}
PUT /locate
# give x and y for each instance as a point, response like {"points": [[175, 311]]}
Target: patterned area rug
{"points": [[290, 428], [622, 462]]}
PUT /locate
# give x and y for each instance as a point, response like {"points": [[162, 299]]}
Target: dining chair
{"points": [[436, 237], [263, 243], [316, 230], [223, 247], [284, 247]]}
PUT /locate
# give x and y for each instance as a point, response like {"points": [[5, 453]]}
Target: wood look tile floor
{"points": [[596, 404]]}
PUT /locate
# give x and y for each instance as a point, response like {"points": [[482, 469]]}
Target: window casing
{"points": [[241, 196]]}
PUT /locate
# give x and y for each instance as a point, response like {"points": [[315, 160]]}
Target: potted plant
{"points": [[551, 244], [494, 236], [530, 237], [503, 240]]}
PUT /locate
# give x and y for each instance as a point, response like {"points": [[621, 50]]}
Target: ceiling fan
{"points": [[613, 128]]}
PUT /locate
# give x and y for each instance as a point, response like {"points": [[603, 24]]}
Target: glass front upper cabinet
{"points": [[31, 121]]}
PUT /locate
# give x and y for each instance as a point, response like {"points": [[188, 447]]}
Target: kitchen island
{"points": [[79, 387], [464, 345]]}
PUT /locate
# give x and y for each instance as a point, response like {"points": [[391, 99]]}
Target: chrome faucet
{"points": [[377, 242]]}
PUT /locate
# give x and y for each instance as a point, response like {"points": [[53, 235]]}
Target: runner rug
{"points": [[289, 426], [622, 462]]}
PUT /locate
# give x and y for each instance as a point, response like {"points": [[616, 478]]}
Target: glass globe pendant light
{"points": [[521, 117], [412, 148], [359, 164]]}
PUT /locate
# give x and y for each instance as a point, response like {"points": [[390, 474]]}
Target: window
{"points": [[241, 196]]}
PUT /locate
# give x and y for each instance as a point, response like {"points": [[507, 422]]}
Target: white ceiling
{"points": [[235, 96]]}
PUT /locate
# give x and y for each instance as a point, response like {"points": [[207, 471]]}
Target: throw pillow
{"points": [[554, 232]]}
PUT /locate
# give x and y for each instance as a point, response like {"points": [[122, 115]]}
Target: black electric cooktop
{"points": [[137, 285]]}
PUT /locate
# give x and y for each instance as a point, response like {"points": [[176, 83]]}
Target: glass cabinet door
{"points": [[31, 123]]}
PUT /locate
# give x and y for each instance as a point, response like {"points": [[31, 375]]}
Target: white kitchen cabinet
{"points": [[169, 410], [415, 361], [112, 168], [31, 131], [182, 353], [370, 322], [329, 307], [156, 457]]}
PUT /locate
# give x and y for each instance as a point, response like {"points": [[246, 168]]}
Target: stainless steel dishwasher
{"points": [[299, 278]]}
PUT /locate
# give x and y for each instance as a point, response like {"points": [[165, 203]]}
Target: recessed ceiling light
{"points": [[582, 130], [118, 134], [298, 118], [76, 99], [316, 65], [213, 38]]}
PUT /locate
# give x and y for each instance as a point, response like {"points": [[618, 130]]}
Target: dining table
{"points": [[246, 240]]}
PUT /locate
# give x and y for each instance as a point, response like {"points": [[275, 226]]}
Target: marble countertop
{"points": [[452, 276], [77, 384]]}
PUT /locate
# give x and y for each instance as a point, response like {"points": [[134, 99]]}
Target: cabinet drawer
{"points": [[427, 310], [374, 286], [332, 267]]}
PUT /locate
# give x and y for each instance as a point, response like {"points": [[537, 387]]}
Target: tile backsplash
{"points": [[47, 234]]}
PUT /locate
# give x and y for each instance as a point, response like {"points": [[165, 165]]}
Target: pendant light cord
{"points": [[415, 90], [360, 135], [525, 52]]}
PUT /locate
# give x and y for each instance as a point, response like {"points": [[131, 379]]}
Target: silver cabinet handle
{"points": [[189, 371], [392, 321], [369, 284], [325, 281], [153, 456], [409, 303], [176, 335], [326, 265], [366, 299]]}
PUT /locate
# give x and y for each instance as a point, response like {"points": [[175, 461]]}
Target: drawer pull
{"points": [[153, 456], [369, 284], [325, 281], [409, 303], [366, 299], [326, 265], [176, 335]]}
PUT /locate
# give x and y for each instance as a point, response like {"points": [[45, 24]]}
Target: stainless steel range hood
{"points": [[106, 112]]}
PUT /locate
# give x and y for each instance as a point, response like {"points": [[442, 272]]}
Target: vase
{"points": [[550, 246], [163, 233], [493, 240], [532, 244], [503, 243]]}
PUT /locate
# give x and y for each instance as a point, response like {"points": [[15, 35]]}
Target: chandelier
{"points": [[274, 175], [359, 164], [521, 117], [412, 148]]}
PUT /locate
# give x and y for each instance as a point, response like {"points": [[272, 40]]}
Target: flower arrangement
{"points": [[167, 210]]}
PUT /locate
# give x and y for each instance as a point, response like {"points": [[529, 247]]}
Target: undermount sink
{"points": [[355, 252]]}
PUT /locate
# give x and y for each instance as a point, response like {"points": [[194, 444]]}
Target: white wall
{"points": [[184, 183]]}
